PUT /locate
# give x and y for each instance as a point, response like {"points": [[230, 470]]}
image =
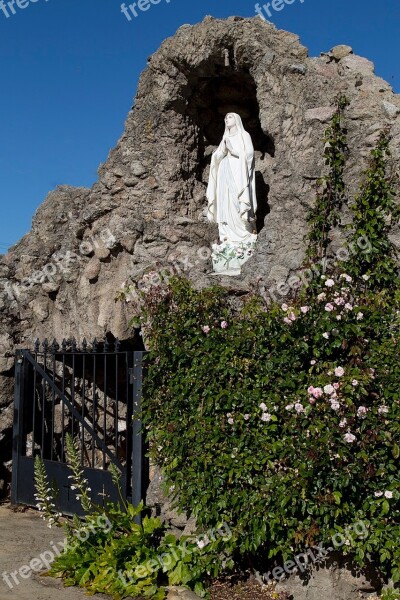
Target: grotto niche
{"points": [[212, 96]]}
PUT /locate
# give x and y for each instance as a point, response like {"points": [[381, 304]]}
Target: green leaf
{"points": [[337, 496], [396, 451]]}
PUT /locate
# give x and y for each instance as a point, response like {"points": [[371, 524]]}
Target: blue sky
{"points": [[69, 72]]}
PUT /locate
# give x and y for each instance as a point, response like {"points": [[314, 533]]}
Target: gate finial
{"points": [[55, 346]]}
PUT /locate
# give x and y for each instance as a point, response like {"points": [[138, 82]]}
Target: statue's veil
{"points": [[241, 129]]}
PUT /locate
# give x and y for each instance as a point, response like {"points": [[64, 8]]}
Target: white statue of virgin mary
{"points": [[231, 196]]}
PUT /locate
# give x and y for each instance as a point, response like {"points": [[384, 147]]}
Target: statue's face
{"points": [[230, 120]]}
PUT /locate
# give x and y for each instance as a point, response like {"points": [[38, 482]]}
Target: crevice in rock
{"points": [[213, 89], [213, 97], [262, 191]]}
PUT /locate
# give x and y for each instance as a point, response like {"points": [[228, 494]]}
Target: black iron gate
{"points": [[92, 393]]}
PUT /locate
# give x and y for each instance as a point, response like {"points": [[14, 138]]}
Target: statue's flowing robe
{"points": [[231, 190]]}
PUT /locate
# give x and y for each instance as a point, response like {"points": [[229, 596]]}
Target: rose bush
{"points": [[288, 434]]}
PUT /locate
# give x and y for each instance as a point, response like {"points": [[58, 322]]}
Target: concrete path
{"points": [[26, 544]]}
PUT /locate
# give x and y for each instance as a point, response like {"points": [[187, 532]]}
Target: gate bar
{"points": [[137, 440], [18, 446], [73, 411]]}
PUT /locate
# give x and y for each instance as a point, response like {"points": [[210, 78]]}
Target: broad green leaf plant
{"points": [[109, 552]]}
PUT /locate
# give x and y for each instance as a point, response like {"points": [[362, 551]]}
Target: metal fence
{"points": [[91, 392]]}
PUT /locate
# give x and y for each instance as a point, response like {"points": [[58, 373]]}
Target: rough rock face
{"points": [[148, 207], [335, 578]]}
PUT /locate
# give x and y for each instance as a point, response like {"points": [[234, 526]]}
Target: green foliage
{"points": [[331, 193], [109, 552], [374, 212], [390, 594], [128, 559], [80, 482], [44, 493], [238, 430]]}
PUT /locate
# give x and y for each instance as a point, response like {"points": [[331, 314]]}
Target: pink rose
{"points": [[362, 411]]}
